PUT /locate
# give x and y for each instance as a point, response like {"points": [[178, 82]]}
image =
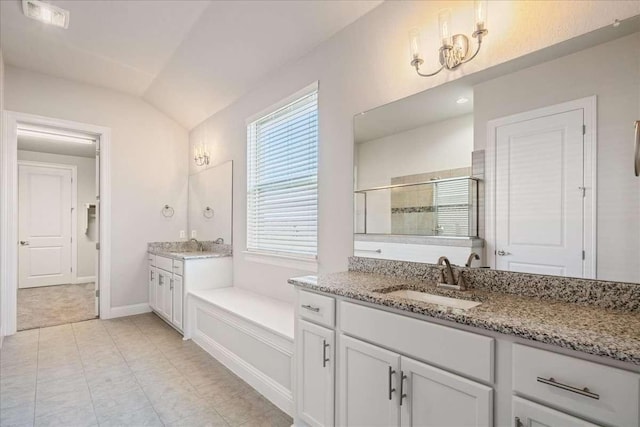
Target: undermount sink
{"points": [[462, 304]]}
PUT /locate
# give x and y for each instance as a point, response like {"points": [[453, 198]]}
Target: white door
{"points": [[315, 353], [368, 385], [177, 290], [529, 414], [435, 398], [540, 195], [44, 207], [97, 257]]}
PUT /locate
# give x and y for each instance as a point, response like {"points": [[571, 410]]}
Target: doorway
{"points": [[541, 191], [57, 227], [54, 222]]}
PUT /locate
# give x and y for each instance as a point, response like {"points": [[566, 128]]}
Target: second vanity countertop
{"points": [[190, 255], [602, 332]]}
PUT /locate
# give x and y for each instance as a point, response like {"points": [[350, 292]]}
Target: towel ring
{"points": [[207, 212], [167, 211]]}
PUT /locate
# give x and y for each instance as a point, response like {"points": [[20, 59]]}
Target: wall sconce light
{"points": [[201, 155], [455, 47]]}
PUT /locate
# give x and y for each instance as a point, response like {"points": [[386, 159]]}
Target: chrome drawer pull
{"points": [[402, 393], [325, 359], [636, 163], [391, 389], [311, 308], [581, 391]]}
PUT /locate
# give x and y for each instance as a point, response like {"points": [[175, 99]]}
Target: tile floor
{"points": [[133, 371]]}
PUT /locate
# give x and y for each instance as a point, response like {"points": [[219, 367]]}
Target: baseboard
{"points": [[1, 338], [129, 310], [86, 279], [276, 393]]}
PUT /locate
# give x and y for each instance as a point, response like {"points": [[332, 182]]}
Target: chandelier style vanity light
{"points": [[201, 155], [455, 47]]}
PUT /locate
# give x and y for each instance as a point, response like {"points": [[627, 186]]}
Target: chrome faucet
{"points": [[472, 256], [447, 273], [219, 241], [197, 243]]}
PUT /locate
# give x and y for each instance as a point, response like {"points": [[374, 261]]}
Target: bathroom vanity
{"points": [[173, 272], [368, 355]]}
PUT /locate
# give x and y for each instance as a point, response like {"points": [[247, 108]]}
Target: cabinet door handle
{"points": [[391, 389], [581, 391], [311, 308], [171, 284], [636, 164], [160, 279], [402, 393], [517, 422], [325, 359], [152, 275]]}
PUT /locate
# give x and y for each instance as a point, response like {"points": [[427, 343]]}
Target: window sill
{"points": [[282, 260]]}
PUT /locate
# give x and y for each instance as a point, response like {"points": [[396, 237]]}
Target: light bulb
{"points": [[414, 43], [480, 8], [444, 23]]}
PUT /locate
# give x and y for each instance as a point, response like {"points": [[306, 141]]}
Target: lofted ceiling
{"points": [[188, 58]]}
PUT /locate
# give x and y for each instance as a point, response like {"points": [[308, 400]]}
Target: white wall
{"points": [[148, 166], [612, 73], [442, 145], [364, 66], [86, 193]]}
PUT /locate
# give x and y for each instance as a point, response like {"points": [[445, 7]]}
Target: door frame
{"points": [[589, 232], [74, 207], [9, 211]]}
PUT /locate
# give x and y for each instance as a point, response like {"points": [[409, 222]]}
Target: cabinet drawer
{"points": [[178, 267], [451, 349], [152, 259], [318, 308], [611, 395], [164, 263]]}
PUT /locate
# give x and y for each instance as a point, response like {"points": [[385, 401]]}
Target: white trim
{"points": [[589, 107], [74, 209], [130, 310], [265, 385], [85, 279], [9, 211], [288, 261]]}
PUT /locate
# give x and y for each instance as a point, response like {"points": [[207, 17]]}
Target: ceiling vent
{"points": [[46, 12]]}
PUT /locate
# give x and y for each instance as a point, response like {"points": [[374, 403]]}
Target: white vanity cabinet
{"points": [[315, 346], [391, 369], [169, 280], [378, 387]]}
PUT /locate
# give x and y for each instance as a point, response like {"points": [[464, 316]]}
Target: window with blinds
{"points": [[282, 179], [452, 203]]}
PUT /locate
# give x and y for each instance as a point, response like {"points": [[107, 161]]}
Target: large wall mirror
{"points": [[210, 203], [529, 165]]}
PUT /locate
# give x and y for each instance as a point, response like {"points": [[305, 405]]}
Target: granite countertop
{"points": [[589, 329], [190, 255]]}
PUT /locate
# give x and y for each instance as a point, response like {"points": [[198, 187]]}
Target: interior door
{"points": [[529, 414], [540, 195], [368, 385], [435, 398], [44, 207], [315, 350]]}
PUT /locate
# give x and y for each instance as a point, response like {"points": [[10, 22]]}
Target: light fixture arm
{"points": [[417, 62]]}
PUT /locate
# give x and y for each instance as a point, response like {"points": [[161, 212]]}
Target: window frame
{"points": [[283, 259]]}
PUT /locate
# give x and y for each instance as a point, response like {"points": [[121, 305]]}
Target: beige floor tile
{"points": [[138, 418], [173, 407], [62, 403], [72, 384], [244, 407], [202, 418], [18, 415], [80, 416], [109, 405], [59, 371], [270, 419]]}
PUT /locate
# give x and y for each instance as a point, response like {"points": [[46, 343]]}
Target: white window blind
{"points": [[452, 207], [282, 179]]}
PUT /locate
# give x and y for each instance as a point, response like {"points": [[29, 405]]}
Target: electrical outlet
{"points": [[193, 234], [183, 234]]}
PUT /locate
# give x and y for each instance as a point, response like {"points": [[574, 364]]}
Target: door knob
{"points": [[503, 253], [24, 242]]}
